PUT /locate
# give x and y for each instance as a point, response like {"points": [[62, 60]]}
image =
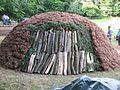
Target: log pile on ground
{"points": [[57, 43]]}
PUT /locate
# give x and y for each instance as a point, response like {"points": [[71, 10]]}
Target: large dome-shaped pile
{"points": [[57, 43]]}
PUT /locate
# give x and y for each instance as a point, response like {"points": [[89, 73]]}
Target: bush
{"points": [[91, 11], [76, 8]]}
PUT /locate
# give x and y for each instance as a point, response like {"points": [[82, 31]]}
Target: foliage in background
{"points": [[19, 9], [91, 10], [76, 7]]}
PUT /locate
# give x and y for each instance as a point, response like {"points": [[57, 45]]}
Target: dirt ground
{"points": [[4, 30]]}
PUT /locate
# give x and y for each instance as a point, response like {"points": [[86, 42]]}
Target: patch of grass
{"points": [[11, 80]]}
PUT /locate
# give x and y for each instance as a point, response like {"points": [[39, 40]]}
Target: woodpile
{"points": [[58, 43], [58, 49]]}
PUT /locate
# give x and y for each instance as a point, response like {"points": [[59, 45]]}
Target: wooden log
{"points": [[39, 63], [77, 65], [72, 63], [43, 62], [56, 65], [56, 41], [65, 63], [69, 63], [75, 36], [85, 63], [90, 62], [76, 41], [36, 39], [48, 62], [31, 62], [50, 65], [60, 65], [79, 42], [39, 45], [42, 68], [53, 45], [82, 56], [60, 41], [45, 41], [69, 41], [65, 41], [72, 42], [52, 71]]}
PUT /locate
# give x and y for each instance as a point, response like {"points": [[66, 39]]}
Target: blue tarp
{"points": [[88, 83]]}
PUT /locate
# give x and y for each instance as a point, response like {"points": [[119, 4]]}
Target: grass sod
{"points": [[12, 80]]}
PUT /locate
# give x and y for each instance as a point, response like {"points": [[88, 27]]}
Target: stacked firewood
{"points": [[57, 51]]}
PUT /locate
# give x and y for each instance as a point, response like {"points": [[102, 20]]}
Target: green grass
{"points": [[11, 80]]}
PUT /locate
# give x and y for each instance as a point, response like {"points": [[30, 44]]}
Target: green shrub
{"points": [[91, 11]]}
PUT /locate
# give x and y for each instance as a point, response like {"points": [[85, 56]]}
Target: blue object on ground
{"points": [[88, 83]]}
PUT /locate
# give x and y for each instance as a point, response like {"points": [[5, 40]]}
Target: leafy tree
{"points": [[91, 10]]}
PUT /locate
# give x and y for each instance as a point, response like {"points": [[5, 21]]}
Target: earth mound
{"points": [[57, 43]]}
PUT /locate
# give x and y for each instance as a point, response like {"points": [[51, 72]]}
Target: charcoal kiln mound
{"points": [[58, 43]]}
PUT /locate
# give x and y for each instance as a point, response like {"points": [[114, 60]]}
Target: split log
{"points": [[85, 63], [65, 63], [43, 62], [48, 45], [36, 38], [69, 41], [77, 66], [60, 41], [56, 65], [39, 63], [60, 65], [82, 56], [65, 41], [72, 42], [79, 40], [39, 46], [53, 45], [56, 41], [69, 63], [72, 63], [50, 65], [45, 41], [31, 63], [53, 65]]}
